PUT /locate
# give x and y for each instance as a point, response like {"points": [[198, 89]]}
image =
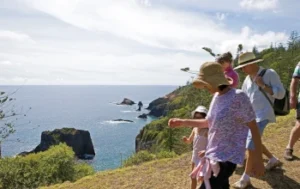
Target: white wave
{"points": [[111, 122], [128, 111], [114, 103]]}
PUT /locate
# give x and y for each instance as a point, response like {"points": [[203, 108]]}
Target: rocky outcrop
{"points": [[143, 116], [125, 120], [126, 101], [159, 106], [159, 110], [156, 102], [141, 144], [79, 140], [140, 105]]}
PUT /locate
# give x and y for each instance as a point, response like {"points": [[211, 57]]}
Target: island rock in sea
{"points": [[140, 105], [79, 140], [126, 101], [143, 116], [123, 120]]}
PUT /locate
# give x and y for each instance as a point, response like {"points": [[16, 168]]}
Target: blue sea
{"points": [[89, 108]]}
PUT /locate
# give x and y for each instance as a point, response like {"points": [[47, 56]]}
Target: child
{"points": [[226, 62], [199, 139]]}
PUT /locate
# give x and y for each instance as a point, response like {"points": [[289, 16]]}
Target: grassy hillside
{"points": [[173, 173]]}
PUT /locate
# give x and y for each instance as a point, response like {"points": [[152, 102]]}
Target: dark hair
{"points": [[225, 57], [202, 114], [222, 87]]}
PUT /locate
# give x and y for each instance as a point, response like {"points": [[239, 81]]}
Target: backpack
{"points": [[281, 106]]}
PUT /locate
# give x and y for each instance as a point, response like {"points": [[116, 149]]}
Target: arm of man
{"points": [[294, 86], [175, 122], [293, 92], [274, 87]]}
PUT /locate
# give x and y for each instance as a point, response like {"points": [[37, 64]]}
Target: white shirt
{"points": [[261, 106]]}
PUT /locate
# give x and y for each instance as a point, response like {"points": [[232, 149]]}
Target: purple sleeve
{"points": [[234, 76]]}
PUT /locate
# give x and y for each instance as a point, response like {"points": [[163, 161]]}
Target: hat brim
{"points": [[240, 66], [200, 83]]}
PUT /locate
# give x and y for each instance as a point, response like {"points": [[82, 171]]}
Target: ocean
{"points": [[89, 108]]}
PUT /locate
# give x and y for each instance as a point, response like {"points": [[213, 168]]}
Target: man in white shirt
{"points": [[253, 84]]}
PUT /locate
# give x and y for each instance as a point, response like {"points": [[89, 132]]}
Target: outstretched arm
{"points": [[293, 92], [175, 122]]}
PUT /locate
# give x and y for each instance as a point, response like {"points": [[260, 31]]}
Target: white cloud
{"points": [[248, 38], [15, 36], [146, 3], [119, 42], [160, 28], [5, 62], [259, 4], [221, 16]]}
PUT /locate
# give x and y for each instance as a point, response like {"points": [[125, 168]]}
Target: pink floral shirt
{"points": [[229, 72], [227, 117]]}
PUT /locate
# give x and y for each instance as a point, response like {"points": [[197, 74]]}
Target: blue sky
{"points": [[130, 42]]}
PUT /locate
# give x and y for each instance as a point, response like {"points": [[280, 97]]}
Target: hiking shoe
{"points": [[288, 154], [241, 184], [271, 165]]}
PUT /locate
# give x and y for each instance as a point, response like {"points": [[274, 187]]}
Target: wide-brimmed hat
{"points": [[211, 75], [246, 59], [200, 109]]}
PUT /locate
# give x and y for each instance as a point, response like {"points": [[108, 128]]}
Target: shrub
{"points": [[55, 165]]}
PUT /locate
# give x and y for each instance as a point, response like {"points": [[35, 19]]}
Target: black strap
{"points": [[261, 74]]}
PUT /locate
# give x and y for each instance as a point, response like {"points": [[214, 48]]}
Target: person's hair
{"points": [[222, 87], [225, 57], [203, 114]]}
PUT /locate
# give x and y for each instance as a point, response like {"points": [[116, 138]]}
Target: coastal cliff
{"points": [[157, 136]]}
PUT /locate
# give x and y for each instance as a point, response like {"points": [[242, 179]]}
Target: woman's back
{"points": [[227, 118]]}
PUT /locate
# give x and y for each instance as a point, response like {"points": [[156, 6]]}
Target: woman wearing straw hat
{"points": [[229, 118], [256, 87]]}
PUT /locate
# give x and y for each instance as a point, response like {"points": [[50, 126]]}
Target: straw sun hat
{"points": [[246, 59], [211, 75]]}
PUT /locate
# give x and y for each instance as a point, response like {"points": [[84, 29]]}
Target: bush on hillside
{"points": [[55, 165], [144, 156]]}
